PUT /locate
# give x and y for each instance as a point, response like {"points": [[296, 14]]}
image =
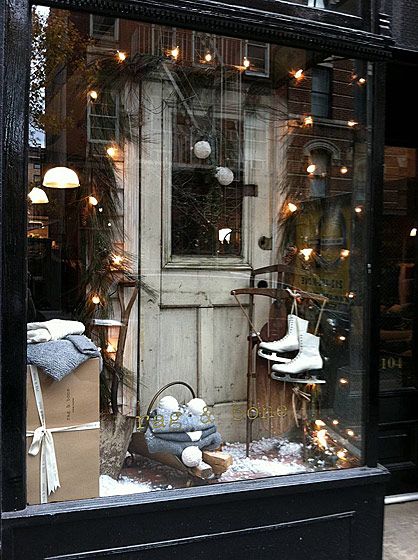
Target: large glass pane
{"points": [[168, 168], [398, 369]]}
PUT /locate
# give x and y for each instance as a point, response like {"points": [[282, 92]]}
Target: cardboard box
{"points": [[72, 401]]}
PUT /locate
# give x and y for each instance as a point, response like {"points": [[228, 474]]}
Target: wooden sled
{"points": [[214, 462], [269, 402]]}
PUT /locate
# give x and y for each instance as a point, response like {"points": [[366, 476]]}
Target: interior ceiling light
{"points": [[61, 178]]}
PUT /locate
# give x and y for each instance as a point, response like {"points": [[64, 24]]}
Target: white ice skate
{"points": [[301, 369], [289, 343]]}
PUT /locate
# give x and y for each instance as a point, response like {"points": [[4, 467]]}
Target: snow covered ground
{"points": [[125, 485], [268, 457]]}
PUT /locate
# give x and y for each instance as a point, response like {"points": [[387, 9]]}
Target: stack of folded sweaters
{"points": [[58, 347]]}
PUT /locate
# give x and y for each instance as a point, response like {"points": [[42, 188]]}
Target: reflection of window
{"points": [[321, 91], [258, 55], [165, 37], [204, 48], [319, 180], [103, 27], [103, 117], [332, 5]]}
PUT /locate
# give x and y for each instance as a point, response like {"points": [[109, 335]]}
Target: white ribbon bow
{"points": [[43, 442]]}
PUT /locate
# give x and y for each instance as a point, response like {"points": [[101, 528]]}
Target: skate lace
{"points": [[295, 359]]}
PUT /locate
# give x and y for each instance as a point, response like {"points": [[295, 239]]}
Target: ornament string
{"points": [[304, 398]]}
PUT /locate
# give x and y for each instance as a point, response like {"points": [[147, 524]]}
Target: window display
{"points": [[197, 222]]}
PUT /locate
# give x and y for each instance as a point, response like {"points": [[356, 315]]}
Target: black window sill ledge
{"points": [[218, 493]]}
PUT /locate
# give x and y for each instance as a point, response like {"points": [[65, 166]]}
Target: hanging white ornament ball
{"points": [[224, 176], [168, 403], [196, 406], [191, 456], [202, 149]]}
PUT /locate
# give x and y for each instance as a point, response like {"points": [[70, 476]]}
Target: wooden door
{"points": [[193, 330]]}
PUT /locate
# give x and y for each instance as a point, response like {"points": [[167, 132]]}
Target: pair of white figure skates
{"points": [[308, 361]]}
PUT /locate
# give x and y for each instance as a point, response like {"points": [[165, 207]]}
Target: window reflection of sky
{"points": [[36, 136]]}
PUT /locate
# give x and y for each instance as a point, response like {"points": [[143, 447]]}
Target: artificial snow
{"points": [[268, 457], [273, 456], [111, 487]]}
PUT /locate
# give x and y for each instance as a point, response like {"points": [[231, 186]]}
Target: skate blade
{"points": [[273, 357], [305, 381]]}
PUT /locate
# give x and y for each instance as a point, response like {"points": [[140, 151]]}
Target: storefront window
{"points": [[168, 168], [399, 259]]}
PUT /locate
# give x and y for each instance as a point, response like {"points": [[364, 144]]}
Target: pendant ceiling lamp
{"points": [[38, 196], [61, 178]]}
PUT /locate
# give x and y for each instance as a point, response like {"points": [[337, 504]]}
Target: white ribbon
{"points": [[44, 442]]}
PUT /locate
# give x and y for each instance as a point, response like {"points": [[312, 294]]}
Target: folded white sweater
{"points": [[55, 329]]}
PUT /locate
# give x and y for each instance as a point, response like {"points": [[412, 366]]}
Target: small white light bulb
{"points": [[121, 56], [306, 253], [111, 151]]}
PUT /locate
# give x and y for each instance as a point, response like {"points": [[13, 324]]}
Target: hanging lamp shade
{"points": [[61, 178], [38, 196]]}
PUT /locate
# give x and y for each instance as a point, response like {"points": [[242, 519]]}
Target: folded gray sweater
{"points": [[58, 358], [183, 436], [157, 444]]}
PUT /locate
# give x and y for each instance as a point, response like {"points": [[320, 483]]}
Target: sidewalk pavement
{"points": [[401, 532]]}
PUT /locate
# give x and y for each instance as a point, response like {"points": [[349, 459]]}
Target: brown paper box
{"points": [[73, 400]]}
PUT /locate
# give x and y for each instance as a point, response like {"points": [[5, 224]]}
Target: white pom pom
{"points": [[202, 149], [224, 176], [191, 456], [196, 406], [168, 403]]}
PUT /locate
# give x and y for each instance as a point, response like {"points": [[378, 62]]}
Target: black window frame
{"points": [[15, 25], [105, 37]]}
